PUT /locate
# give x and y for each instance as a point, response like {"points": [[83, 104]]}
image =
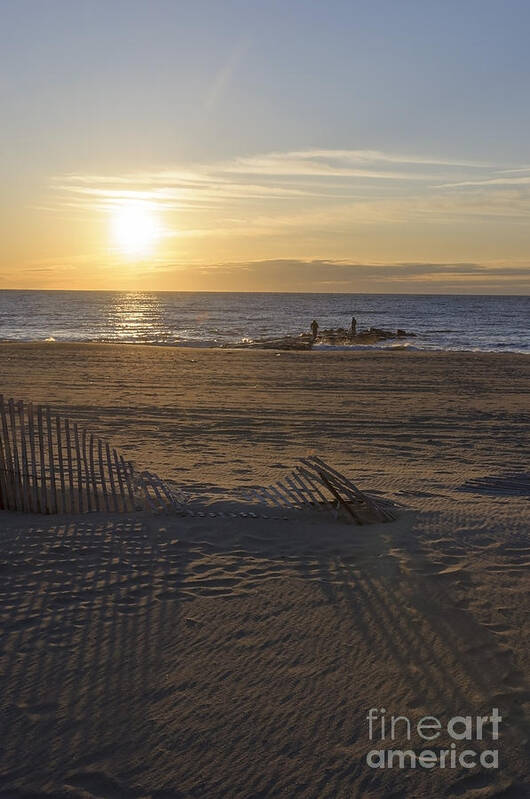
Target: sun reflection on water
{"points": [[138, 317]]}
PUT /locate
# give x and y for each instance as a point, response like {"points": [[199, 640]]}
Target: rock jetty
{"points": [[334, 336]]}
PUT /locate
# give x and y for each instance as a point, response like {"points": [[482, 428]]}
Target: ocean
{"points": [[201, 319]]}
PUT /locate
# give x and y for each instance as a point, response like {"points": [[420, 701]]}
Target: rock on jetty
{"points": [[372, 336]]}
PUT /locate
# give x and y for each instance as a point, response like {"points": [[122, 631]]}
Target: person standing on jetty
{"points": [[353, 327], [314, 329]]}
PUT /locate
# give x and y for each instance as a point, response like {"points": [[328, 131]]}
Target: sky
{"points": [[256, 145]]}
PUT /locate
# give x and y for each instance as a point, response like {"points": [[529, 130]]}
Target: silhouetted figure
{"points": [[353, 327], [314, 329]]}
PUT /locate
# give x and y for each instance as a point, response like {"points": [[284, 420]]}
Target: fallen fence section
{"points": [[316, 486]]}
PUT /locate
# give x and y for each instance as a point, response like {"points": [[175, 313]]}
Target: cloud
{"points": [[295, 174], [323, 269], [317, 201], [277, 274], [328, 275], [371, 156], [502, 181], [342, 163]]}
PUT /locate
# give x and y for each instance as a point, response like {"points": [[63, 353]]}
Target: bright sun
{"points": [[135, 229]]}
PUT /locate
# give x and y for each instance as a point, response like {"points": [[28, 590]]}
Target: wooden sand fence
{"points": [[313, 485], [48, 464]]}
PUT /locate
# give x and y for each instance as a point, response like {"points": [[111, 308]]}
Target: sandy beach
{"points": [[161, 657]]}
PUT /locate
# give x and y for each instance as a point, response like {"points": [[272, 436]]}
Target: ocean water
{"points": [[441, 322]]}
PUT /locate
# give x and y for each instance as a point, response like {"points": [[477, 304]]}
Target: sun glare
{"points": [[135, 229]]}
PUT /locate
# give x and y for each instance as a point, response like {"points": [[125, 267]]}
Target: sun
{"points": [[135, 229]]}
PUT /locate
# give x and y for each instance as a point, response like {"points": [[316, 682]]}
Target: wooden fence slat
{"points": [[93, 472], [334, 481], [79, 465], [267, 497], [25, 476], [173, 500], [36, 497], [61, 464], [307, 489], [10, 476], [8, 455], [145, 489], [317, 464], [5, 493], [3, 478], [336, 477], [350, 488], [128, 480], [19, 500], [120, 480], [43, 480], [260, 495], [284, 497], [273, 499], [102, 475], [51, 464], [282, 501], [112, 482], [313, 483], [71, 487], [347, 507], [154, 483], [286, 490], [88, 483], [296, 491]]}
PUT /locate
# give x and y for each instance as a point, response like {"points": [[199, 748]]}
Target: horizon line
{"points": [[206, 291]]}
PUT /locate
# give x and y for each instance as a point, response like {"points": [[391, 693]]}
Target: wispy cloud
{"points": [[308, 192], [292, 174], [498, 181], [343, 163], [296, 162]]}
